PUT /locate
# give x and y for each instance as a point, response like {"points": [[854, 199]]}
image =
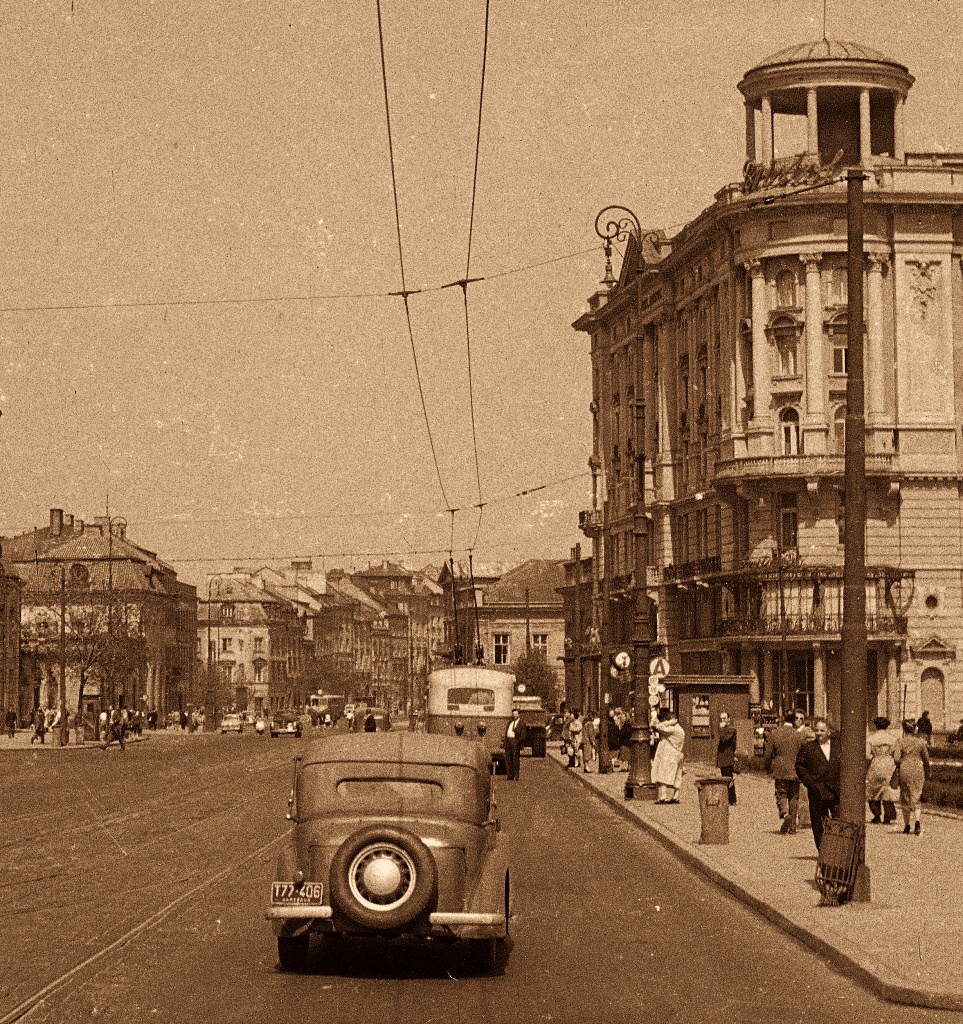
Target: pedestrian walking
{"points": [[575, 728], [818, 768], [115, 730], [590, 735], [514, 738], [782, 749], [667, 763], [625, 742], [880, 752], [913, 758], [10, 722], [726, 753], [39, 725], [370, 722], [924, 728]]}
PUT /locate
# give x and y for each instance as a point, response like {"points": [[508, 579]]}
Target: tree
{"points": [[533, 671]]}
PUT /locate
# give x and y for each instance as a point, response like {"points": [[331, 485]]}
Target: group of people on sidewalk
{"points": [[898, 767]]}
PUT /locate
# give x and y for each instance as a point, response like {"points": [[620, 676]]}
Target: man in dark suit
{"points": [[782, 748], [726, 753], [514, 738], [818, 766]]}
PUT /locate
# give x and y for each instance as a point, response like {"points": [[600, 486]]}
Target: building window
{"points": [[839, 430], [839, 334], [227, 611], [788, 522], [540, 643], [258, 674], [259, 645], [226, 644], [839, 287], [788, 347], [789, 426], [502, 649], [786, 289]]}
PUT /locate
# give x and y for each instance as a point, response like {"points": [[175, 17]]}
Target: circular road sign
{"points": [[622, 660]]}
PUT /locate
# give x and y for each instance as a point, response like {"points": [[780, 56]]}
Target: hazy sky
{"points": [[208, 186]]}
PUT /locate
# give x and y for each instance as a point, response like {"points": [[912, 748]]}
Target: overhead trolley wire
{"points": [[468, 278], [404, 293]]}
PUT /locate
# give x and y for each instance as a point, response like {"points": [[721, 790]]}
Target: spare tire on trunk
{"points": [[383, 878]]}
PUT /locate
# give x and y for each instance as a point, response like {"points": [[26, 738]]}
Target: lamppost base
{"points": [[639, 784]]}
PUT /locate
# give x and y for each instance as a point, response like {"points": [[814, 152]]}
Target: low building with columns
{"points": [[719, 363]]}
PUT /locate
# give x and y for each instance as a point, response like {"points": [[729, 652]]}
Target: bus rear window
{"points": [[471, 698]]}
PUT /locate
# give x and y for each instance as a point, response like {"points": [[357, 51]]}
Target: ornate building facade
{"points": [[719, 373]]}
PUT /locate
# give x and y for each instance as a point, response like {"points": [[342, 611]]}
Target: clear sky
{"points": [[206, 186]]}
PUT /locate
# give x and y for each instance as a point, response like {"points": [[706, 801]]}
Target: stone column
{"points": [[750, 131], [899, 133], [875, 398], [812, 123], [865, 137], [816, 390], [819, 679], [767, 140], [761, 372]]}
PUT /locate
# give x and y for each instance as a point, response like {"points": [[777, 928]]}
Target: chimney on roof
{"points": [[69, 522], [56, 521]]}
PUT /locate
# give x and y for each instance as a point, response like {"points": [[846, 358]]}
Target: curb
{"points": [[866, 971]]}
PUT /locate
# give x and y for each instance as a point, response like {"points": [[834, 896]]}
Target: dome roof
{"points": [[824, 49]]}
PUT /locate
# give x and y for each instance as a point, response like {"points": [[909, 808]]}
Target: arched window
{"points": [[789, 426], [839, 430], [786, 289]]}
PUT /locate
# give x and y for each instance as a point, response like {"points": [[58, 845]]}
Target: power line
{"points": [[264, 300], [404, 293]]}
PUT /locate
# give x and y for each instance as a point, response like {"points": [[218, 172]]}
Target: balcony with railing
{"points": [[590, 522], [768, 466]]}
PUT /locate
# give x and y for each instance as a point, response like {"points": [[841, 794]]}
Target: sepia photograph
{"points": [[481, 533]]}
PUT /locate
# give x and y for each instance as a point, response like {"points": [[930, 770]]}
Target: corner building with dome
{"points": [[719, 369]]}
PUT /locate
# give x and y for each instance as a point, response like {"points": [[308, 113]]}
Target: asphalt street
{"points": [[610, 927]]}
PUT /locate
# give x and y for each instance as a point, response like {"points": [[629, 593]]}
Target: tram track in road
{"points": [[153, 920], [175, 822]]}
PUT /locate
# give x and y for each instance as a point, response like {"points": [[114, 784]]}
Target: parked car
{"points": [[395, 834], [286, 723], [535, 717], [231, 722]]}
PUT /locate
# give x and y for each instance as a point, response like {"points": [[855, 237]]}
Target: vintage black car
{"points": [[395, 834], [285, 723]]}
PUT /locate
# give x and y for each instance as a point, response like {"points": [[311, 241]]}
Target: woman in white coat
{"points": [[667, 763]]}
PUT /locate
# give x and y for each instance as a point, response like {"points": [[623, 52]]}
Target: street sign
{"points": [[622, 660], [654, 683], [658, 667], [614, 672], [654, 701]]}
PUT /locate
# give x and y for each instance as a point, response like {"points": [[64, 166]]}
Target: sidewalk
{"points": [[906, 943], [21, 741]]}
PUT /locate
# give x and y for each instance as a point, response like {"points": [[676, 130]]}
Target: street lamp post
{"points": [[617, 224], [208, 696]]}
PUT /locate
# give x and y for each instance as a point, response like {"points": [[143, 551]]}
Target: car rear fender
{"points": [[491, 895]]}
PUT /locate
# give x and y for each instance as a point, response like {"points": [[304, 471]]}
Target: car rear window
{"points": [[333, 789]]}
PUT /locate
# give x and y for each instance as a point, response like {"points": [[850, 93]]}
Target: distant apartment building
{"points": [[497, 614], [128, 624]]}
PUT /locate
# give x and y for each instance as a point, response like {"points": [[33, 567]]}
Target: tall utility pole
{"points": [[852, 797]]}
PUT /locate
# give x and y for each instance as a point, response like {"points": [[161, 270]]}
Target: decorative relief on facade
{"points": [[923, 284]]}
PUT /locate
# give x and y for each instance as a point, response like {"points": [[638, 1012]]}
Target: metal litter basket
{"points": [[838, 861]]}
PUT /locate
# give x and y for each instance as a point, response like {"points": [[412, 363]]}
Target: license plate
{"points": [[290, 895]]}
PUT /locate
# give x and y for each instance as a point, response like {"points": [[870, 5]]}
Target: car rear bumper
{"points": [[463, 924]]}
